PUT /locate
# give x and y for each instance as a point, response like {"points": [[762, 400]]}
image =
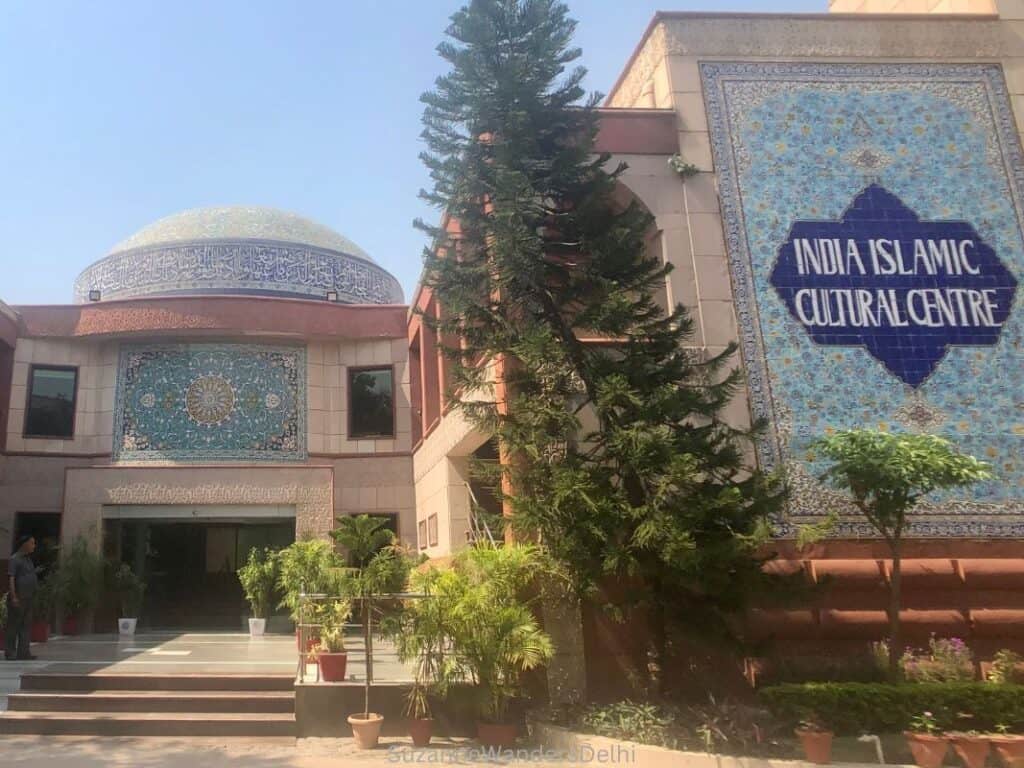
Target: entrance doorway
{"points": [[190, 565], [45, 527]]}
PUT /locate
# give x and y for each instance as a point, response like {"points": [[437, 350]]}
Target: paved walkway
{"points": [[187, 653], [106, 752]]}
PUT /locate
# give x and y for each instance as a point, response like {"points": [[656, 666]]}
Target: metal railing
{"points": [[366, 620], [479, 532]]}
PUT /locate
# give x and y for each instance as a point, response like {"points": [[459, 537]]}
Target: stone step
{"points": [[153, 701], [146, 724], [61, 681]]}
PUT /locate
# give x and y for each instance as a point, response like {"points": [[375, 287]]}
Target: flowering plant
{"points": [[925, 722], [1004, 667], [812, 721], [947, 660]]}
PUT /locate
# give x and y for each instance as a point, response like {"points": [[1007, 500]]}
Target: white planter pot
{"points": [[126, 626], [257, 627]]}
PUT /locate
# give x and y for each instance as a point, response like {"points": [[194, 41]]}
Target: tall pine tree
{"points": [[546, 284]]}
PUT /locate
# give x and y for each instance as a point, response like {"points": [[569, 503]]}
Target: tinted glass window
{"points": [[51, 403], [371, 403]]}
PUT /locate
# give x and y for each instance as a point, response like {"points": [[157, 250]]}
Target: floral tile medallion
{"points": [[199, 402]]}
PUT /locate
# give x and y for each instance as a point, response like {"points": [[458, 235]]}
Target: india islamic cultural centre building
{"points": [[233, 376]]}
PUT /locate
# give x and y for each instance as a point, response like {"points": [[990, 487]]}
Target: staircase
{"points": [[151, 705]]}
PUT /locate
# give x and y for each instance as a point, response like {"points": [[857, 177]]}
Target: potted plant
{"points": [[419, 639], [305, 568], [330, 651], [42, 609], [258, 578], [490, 633], [815, 738], [377, 567], [1009, 746], [77, 582], [419, 715], [130, 591], [926, 744]]}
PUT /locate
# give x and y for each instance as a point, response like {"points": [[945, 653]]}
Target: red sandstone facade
{"points": [[965, 587]]}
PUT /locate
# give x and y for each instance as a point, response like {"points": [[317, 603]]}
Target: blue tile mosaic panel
{"points": [[199, 402], [873, 222]]}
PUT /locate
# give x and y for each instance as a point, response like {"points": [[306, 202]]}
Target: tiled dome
{"points": [[238, 250]]}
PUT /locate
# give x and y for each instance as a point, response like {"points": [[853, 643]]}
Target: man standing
{"points": [[21, 572]]}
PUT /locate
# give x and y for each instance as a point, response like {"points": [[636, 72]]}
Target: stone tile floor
{"points": [[187, 653]]}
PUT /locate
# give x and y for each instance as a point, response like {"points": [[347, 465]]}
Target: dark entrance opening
{"points": [[45, 527], [190, 567]]}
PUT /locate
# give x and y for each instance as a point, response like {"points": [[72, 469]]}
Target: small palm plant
{"points": [[305, 567], [419, 636], [377, 567], [490, 632]]}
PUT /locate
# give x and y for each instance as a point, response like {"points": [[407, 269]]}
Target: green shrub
{"points": [[851, 668], [855, 708], [1004, 668], [78, 578], [645, 723]]}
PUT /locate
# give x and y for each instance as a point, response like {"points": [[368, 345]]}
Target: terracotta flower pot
{"points": [[972, 749], [497, 734], [420, 730], [332, 666], [39, 632], [311, 642], [1010, 749], [928, 750], [817, 745], [366, 729], [70, 625]]}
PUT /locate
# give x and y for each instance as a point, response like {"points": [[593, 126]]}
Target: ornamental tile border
{"points": [[208, 402], [238, 266], [961, 400]]}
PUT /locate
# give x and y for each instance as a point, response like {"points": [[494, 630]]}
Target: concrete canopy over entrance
{"points": [[89, 490]]}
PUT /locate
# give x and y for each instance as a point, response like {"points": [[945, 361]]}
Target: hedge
{"points": [[855, 708]]}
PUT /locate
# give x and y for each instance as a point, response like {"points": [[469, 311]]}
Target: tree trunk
{"points": [[656, 641], [368, 648], [895, 601]]}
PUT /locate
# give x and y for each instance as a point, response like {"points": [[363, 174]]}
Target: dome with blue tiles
{"points": [[238, 250]]}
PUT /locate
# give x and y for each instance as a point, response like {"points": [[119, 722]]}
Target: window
{"points": [[421, 530], [432, 530], [50, 411], [371, 403], [390, 520]]}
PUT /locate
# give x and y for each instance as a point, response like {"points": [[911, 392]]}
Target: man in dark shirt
{"points": [[22, 583]]}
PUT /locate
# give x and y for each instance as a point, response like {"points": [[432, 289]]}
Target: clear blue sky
{"points": [[115, 114]]}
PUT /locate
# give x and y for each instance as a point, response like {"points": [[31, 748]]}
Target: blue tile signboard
{"points": [[200, 402], [873, 224], [902, 288]]}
